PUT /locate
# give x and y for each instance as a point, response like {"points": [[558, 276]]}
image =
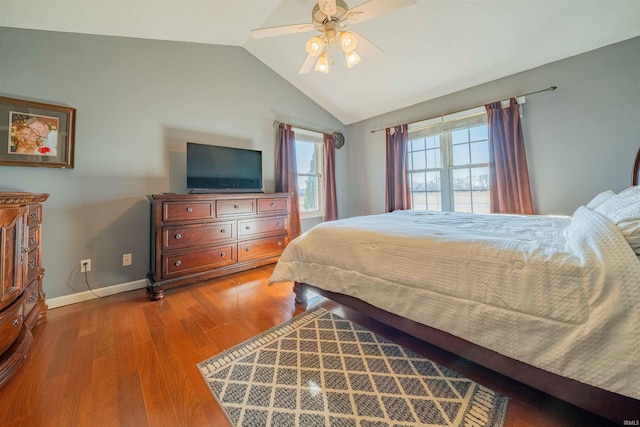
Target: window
{"points": [[448, 163], [309, 158]]}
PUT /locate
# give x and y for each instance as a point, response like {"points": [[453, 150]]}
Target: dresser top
{"points": [[218, 196], [21, 198]]}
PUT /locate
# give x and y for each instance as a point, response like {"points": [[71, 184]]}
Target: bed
{"points": [[553, 302]]}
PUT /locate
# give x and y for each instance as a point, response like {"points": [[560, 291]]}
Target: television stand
{"points": [[198, 237]]}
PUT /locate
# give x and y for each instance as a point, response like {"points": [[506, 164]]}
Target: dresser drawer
{"points": [[176, 237], [196, 261], [181, 211], [276, 204], [254, 227], [33, 264], [234, 207], [34, 237], [10, 324], [261, 248], [34, 214], [31, 298]]}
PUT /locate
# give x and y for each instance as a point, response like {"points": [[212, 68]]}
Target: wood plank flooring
{"points": [[126, 361]]}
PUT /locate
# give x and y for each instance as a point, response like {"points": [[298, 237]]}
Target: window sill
{"points": [[311, 215]]}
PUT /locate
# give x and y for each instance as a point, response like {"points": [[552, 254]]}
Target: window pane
{"points": [[433, 141], [305, 157], [416, 144], [461, 179], [480, 178], [460, 136], [460, 154], [417, 181], [434, 201], [433, 159], [308, 193], [417, 160], [419, 200], [478, 133], [462, 201], [480, 152], [481, 201], [433, 181]]}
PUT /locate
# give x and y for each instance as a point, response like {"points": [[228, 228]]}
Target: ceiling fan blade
{"points": [[373, 8], [260, 33], [328, 7], [307, 64], [366, 48]]}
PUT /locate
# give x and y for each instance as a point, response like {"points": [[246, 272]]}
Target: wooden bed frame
{"points": [[609, 405]]}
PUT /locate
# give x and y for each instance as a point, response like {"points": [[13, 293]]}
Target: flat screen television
{"points": [[216, 169]]}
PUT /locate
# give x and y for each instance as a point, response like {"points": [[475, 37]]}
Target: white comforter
{"points": [[559, 293]]}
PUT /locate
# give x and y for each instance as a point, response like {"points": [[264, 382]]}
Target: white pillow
{"points": [[624, 210], [600, 199]]}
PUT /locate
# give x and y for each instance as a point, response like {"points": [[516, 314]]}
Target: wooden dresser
{"points": [[196, 237], [22, 299]]}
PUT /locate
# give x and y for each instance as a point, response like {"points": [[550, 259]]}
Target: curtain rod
{"points": [[551, 88], [277, 122]]}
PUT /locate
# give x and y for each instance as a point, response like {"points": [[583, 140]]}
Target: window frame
{"points": [[303, 136], [444, 127]]}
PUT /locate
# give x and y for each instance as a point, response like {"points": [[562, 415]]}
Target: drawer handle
{"points": [[34, 215], [222, 254], [247, 228], [235, 206], [178, 236], [246, 249], [278, 224], [34, 296], [222, 230], [32, 240], [16, 322], [279, 243], [273, 204], [189, 209], [178, 263], [32, 264]]}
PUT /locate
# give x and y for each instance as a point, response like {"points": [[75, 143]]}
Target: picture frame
{"points": [[36, 134]]}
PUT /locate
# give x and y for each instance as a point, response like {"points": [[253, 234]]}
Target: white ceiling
{"points": [[432, 48]]}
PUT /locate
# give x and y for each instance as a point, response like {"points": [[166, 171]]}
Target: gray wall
{"points": [[580, 139], [138, 102]]}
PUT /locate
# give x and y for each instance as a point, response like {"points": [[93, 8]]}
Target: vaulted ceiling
{"points": [[432, 48]]}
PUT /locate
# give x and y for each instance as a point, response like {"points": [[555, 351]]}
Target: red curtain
{"points": [[330, 204], [286, 173], [397, 187], [508, 173]]}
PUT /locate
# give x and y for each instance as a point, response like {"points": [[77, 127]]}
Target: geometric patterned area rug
{"points": [[319, 369]]}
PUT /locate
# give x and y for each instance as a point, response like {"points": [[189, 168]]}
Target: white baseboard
{"points": [[100, 292]]}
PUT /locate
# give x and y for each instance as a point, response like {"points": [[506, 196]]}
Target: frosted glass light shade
{"points": [[352, 58], [322, 66], [348, 41], [315, 45]]}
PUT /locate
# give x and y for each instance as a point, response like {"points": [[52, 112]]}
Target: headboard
{"points": [[636, 170]]}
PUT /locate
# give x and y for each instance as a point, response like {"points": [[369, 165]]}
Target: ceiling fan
{"points": [[330, 18]]}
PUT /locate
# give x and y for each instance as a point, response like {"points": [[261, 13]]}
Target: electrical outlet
{"points": [[85, 265], [126, 259]]}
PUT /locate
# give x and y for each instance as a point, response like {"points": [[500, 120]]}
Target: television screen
{"points": [[216, 169]]}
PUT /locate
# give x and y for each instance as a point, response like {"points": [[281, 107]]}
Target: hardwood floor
{"points": [[126, 361]]}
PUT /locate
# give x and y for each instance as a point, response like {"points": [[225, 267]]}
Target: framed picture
{"points": [[36, 134]]}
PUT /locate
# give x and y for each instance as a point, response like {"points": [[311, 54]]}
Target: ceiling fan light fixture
{"points": [[315, 45], [322, 66], [352, 58], [348, 41]]}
